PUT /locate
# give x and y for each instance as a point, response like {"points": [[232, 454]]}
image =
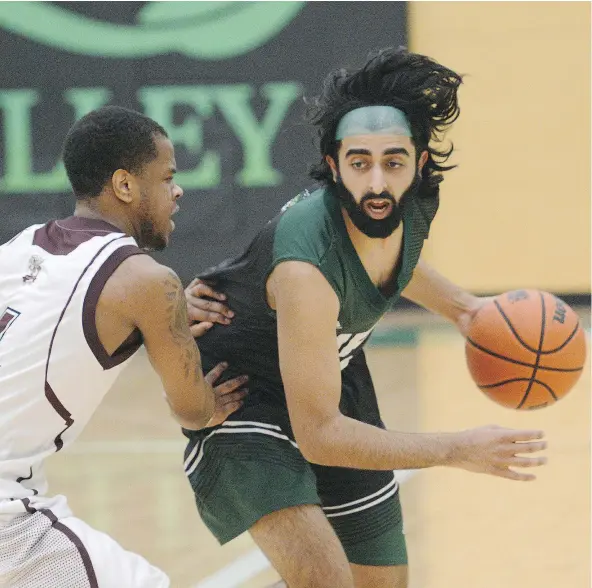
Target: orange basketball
{"points": [[526, 349]]}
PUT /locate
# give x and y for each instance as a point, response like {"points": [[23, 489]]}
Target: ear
{"points": [[333, 167], [422, 161], [122, 183]]}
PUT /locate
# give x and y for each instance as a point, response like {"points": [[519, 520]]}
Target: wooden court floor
{"points": [[124, 476]]}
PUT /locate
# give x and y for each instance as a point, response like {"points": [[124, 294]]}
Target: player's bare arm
{"points": [[150, 296], [307, 311], [430, 289]]}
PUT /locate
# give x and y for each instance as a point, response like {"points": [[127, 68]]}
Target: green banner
{"points": [[226, 79]]}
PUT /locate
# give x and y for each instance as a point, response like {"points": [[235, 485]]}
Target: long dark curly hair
{"points": [[419, 86]]}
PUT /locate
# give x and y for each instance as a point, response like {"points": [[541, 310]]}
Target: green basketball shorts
{"points": [[251, 466]]}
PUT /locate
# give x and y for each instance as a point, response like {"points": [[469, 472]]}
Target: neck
{"points": [[87, 210]]}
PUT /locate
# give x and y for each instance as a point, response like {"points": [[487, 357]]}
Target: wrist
{"points": [[466, 310], [467, 306], [454, 449]]}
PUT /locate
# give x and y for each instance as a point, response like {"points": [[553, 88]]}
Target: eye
{"points": [[394, 164], [358, 164]]}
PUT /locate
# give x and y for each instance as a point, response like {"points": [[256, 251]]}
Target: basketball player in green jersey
{"points": [[306, 465]]}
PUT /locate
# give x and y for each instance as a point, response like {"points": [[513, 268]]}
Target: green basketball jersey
{"points": [[310, 228]]}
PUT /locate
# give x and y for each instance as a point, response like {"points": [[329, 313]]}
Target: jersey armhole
{"points": [[134, 341]]}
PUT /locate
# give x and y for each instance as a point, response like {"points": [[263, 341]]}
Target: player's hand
{"points": [[203, 313], [497, 451], [463, 322], [229, 395]]}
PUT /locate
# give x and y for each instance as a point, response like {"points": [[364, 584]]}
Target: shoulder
{"points": [[142, 270], [140, 280], [307, 207], [304, 228]]}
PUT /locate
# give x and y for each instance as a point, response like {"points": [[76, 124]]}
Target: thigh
{"points": [[303, 548], [244, 470]]}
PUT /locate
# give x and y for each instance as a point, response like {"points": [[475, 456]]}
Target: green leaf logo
{"points": [[206, 30]]}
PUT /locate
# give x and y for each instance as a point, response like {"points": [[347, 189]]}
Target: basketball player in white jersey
{"points": [[78, 297]]}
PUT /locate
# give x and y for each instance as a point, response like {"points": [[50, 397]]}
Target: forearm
{"points": [[198, 415], [200, 418], [434, 292], [345, 442], [162, 320]]}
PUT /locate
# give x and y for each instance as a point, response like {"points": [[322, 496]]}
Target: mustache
{"points": [[369, 196]]}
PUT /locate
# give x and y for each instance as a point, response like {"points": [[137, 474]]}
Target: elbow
{"points": [[315, 435], [194, 418], [308, 450], [312, 447], [318, 458]]}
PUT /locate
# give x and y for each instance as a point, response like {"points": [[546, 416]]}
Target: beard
{"points": [[149, 238], [375, 228]]}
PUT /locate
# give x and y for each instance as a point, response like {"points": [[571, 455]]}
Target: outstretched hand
{"points": [[497, 451]]}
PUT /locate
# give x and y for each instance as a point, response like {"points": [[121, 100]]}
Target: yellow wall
{"points": [[516, 212]]}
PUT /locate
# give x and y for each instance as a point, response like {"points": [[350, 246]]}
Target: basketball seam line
{"points": [[520, 380], [511, 360], [538, 357], [524, 344], [514, 332], [572, 335]]}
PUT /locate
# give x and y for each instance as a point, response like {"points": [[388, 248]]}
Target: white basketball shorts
{"points": [[38, 550]]}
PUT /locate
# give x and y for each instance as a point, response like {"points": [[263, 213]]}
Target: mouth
{"points": [[175, 211], [378, 209]]}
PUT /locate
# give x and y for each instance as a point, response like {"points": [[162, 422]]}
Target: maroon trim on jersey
{"points": [[60, 237], [55, 523], [89, 324], [22, 479], [9, 316], [61, 410], [19, 480], [28, 508], [49, 393]]}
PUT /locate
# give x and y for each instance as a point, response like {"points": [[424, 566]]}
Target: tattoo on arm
{"points": [[179, 326]]}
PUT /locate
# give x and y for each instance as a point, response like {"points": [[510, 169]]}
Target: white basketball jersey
{"points": [[54, 371]]}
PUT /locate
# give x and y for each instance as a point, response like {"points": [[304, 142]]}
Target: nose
{"points": [[177, 192], [377, 180]]}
